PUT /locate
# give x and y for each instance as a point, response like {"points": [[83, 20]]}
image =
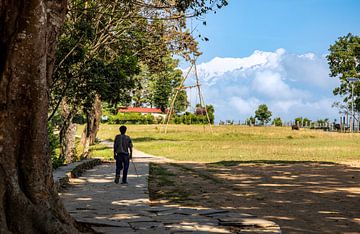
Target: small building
{"points": [[142, 110]]}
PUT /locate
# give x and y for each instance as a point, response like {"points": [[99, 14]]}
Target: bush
{"points": [[53, 145], [277, 122], [131, 118], [189, 118], [79, 119], [137, 118]]}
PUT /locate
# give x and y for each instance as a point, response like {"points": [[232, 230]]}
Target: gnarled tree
{"points": [[29, 202]]}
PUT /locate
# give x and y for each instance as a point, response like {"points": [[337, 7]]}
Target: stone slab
{"points": [[212, 211], [140, 219], [114, 230], [103, 222], [172, 218], [145, 225], [230, 215], [244, 222], [168, 212], [157, 209], [187, 211], [154, 231]]}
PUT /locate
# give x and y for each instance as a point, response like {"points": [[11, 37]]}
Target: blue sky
{"points": [[273, 52], [299, 26]]}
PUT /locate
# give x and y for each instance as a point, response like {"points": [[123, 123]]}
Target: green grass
{"points": [[101, 151], [97, 150], [240, 143]]}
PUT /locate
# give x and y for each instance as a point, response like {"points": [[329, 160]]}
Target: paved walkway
{"points": [[107, 207]]}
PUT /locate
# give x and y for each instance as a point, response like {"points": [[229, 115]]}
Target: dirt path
{"points": [[300, 197]]}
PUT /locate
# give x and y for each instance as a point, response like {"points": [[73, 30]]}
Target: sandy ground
{"points": [[300, 197]]}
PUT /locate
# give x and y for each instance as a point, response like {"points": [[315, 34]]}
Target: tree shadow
{"points": [[94, 200], [300, 196], [100, 148], [108, 139], [235, 163], [148, 139]]}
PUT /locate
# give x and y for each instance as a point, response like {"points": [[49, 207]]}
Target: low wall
{"points": [[63, 174]]}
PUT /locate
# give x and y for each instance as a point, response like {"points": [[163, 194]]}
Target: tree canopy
{"points": [[120, 52], [344, 62], [263, 114]]}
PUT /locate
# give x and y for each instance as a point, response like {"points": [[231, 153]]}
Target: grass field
{"points": [[237, 143]]}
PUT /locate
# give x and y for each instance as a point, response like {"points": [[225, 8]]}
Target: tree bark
{"points": [[29, 202], [70, 150], [85, 139], [93, 118], [97, 119], [67, 133]]}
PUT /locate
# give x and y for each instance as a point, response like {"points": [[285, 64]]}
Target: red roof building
{"points": [[141, 110]]}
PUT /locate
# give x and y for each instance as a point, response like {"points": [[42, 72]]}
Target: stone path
{"points": [[107, 207]]}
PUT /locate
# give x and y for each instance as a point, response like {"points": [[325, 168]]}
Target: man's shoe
{"points": [[117, 178], [124, 182]]}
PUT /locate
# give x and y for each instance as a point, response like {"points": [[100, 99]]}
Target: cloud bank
{"points": [[291, 85]]}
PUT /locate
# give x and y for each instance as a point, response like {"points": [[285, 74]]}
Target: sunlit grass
{"points": [[101, 151], [97, 150], [239, 143]]}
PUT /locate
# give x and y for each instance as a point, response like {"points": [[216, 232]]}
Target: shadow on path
{"points": [[303, 197], [107, 207]]}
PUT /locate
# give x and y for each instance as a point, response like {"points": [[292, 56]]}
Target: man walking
{"points": [[122, 154]]}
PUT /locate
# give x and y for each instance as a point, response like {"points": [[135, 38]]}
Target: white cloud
{"points": [[271, 85], [310, 56], [220, 66], [244, 107], [291, 85]]}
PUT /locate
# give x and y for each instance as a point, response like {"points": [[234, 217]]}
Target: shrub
{"points": [[277, 122], [53, 145], [79, 119], [131, 118], [137, 118]]}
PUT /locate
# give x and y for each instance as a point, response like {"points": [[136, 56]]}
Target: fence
{"points": [[344, 124]]}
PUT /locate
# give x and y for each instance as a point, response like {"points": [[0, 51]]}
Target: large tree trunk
{"points": [[93, 118], [85, 139], [29, 202], [96, 121], [70, 150], [67, 133]]}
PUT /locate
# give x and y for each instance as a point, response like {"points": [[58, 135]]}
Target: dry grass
{"points": [[240, 143]]}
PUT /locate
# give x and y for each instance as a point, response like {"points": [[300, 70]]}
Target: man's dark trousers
{"points": [[122, 162]]}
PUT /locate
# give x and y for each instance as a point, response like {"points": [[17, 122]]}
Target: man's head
{"points": [[122, 129]]}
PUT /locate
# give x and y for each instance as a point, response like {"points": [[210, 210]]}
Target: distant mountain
{"points": [[291, 85]]}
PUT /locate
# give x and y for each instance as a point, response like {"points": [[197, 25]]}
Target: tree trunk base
{"points": [[21, 215], [29, 202]]}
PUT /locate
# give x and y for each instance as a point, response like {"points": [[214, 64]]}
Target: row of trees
{"points": [[109, 51], [263, 115], [102, 46], [197, 117]]}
